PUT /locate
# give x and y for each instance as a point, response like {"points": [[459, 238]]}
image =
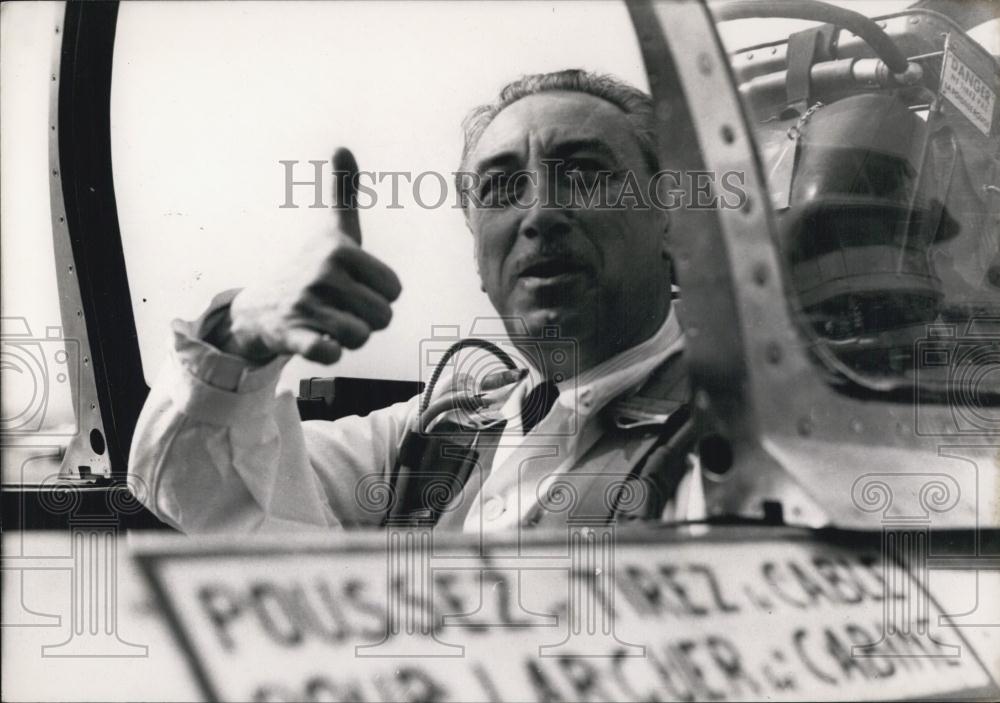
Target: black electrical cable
{"points": [[454, 349], [866, 28]]}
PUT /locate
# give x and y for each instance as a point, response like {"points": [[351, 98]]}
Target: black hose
{"points": [[852, 21], [454, 349]]}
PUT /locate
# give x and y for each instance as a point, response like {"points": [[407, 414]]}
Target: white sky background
{"points": [[208, 97]]}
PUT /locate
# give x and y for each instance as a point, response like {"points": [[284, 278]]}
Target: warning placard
{"points": [[968, 92]]}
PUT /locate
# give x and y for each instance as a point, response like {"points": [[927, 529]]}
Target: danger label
{"points": [[968, 92]]}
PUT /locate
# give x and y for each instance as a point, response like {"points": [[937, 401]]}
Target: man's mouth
{"points": [[551, 271]]}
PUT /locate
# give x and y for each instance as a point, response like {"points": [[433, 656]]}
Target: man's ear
{"points": [[475, 256]]}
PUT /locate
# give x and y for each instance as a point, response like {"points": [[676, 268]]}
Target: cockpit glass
{"points": [[884, 186]]}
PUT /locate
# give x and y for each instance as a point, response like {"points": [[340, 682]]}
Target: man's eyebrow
{"points": [[560, 150], [575, 146], [497, 161]]}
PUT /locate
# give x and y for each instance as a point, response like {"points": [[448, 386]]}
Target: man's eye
{"points": [[512, 187], [579, 166], [488, 187], [499, 189]]}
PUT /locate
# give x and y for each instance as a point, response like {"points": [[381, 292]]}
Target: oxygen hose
{"points": [[454, 349], [420, 455]]}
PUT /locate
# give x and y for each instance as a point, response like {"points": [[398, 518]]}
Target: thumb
{"points": [[345, 194]]}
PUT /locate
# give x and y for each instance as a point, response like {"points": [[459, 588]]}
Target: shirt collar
{"points": [[591, 390]]}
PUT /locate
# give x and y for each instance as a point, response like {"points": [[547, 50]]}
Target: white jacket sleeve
{"points": [[206, 458]]}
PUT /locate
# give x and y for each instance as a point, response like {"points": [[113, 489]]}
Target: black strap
{"points": [[433, 468], [805, 49], [635, 467], [536, 405], [660, 471]]}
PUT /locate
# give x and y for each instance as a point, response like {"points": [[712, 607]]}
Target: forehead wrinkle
{"points": [[611, 140], [619, 146], [532, 120], [509, 148]]}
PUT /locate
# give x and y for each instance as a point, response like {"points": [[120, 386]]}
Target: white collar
{"points": [[591, 390]]}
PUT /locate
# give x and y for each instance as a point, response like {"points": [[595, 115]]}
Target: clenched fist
{"points": [[318, 307]]}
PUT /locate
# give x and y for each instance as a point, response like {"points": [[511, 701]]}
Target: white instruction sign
{"points": [[587, 620]]}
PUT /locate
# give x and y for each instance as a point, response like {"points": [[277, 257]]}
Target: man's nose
{"points": [[545, 216]]}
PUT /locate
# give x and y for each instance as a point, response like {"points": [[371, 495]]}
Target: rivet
{"points": [[728, 136], [705, 63], [701, 400], [805, 426], [993, 276], [760, 274], [750, 56], [856, 426], [773, 352]]}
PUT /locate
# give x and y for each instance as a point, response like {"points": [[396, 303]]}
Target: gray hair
{"points": [[637, 106]]}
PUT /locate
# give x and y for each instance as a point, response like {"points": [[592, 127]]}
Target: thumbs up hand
{"points": [[321, 304]]}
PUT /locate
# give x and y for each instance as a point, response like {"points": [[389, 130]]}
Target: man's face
{"points": [[596, 272]]}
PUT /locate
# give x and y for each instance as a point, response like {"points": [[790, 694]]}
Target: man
{"points": [[220, 451]]}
